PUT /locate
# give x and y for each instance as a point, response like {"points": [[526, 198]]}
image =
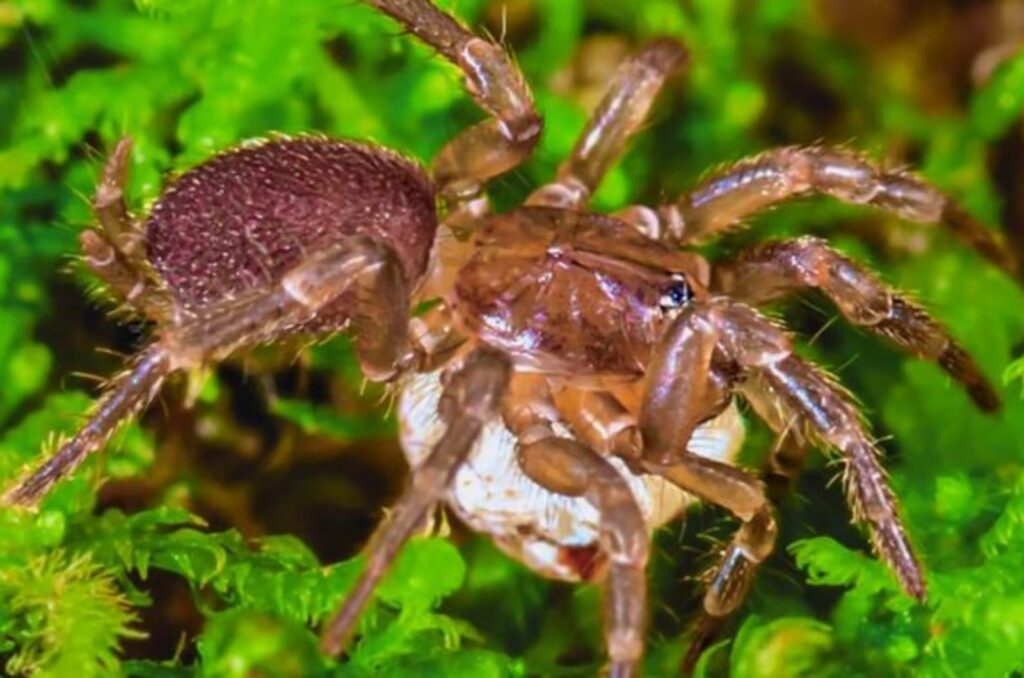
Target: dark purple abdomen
{"points": [[243, 218]]}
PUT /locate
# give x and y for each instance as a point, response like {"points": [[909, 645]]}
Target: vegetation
{"points": [[204, 552]]}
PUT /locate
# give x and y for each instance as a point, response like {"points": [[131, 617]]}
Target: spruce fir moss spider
{"points": [[575, 385]]}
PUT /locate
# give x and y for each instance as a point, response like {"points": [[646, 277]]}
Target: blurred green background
{"points": [[201, 554]]}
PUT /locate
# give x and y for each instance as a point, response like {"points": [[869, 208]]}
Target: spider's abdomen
{"points": [[243, 218]]}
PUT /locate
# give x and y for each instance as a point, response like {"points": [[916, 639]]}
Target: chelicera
{"points": [[575, 383]]}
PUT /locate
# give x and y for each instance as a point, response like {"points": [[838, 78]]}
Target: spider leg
{"points": [[489, 148], [115, 253], [126, 396], [731, 578], [744, 496], [727, 197], [827, 412], [379, 318], [770, 271], [471, 399], [108, 202], [600, 421], [684, 388], [618, 116], [716, 343], [570, 467]]}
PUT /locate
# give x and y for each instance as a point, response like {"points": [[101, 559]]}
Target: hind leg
{"points": [[116, 252], [379, 322], [471, 399]]}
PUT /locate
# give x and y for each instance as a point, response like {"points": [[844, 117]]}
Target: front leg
{"points": [[826, 412], [771, 271], [684, 388], [702, 354], [730, 580], [752, 185]]}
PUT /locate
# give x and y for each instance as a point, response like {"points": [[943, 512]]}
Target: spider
{"points": [[574, 385]]}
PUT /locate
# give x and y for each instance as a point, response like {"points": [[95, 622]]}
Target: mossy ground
{"points": [[202, 555]]}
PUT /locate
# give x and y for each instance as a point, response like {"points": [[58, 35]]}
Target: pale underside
{"points": [[492, 495]]}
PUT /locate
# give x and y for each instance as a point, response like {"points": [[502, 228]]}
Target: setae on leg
{"points": [[770, 271], [618, 117], [126, 396], [826, 412], [115, 252], [379, 317], [739, 191], [489, 148], [471, 399]]}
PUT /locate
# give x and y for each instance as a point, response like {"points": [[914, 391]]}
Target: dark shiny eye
{"points": [[676, 294]]}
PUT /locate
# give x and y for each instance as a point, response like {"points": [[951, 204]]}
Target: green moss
{"points": [[186, 79]]}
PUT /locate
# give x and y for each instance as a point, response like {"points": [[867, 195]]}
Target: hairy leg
{"points": [[704, 353], [618, 117], [743, 495], [827, 414], [787, 457], [115, 252], [730, 580], [770, 271], [126, 395], [727, 197], [471, 399], [603, 423], [568, 467], [489, 148], [379, 319], [685, 388]]}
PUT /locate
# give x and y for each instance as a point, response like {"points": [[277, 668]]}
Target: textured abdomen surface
{"points": [[243, 218]]}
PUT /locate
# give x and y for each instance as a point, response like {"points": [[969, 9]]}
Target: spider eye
{"points": [[676, 295]]}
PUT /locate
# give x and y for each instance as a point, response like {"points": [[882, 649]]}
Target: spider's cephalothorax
{"points": [[575, 384]]}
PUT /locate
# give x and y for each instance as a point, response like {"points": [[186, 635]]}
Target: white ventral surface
{"points": [[530, 523]]}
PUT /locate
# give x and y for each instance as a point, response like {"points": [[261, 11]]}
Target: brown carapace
{"points": [[584, 365]]}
